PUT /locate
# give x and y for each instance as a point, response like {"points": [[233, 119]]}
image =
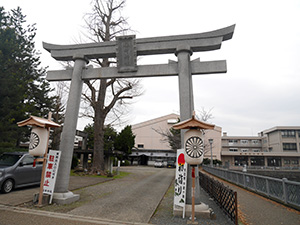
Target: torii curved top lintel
{"points": [[206, 41]]}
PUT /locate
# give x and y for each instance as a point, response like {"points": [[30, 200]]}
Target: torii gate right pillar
{"points": [[186, 98], [183, 54]]}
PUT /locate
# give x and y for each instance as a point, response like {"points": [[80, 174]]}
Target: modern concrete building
{"points": [[150, 146], [274, 147]]}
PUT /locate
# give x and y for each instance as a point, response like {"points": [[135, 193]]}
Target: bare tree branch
{"points": [[107, 97]]}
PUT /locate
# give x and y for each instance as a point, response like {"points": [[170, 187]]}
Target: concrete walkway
{"points": [[257, 210], [133, 199], [130, 200], [22, 195]]}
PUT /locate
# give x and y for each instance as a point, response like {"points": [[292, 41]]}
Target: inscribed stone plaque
{"points": [[126, 54]]}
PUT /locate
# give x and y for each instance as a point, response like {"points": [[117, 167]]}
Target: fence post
{"points": [[285, 194], [244, 180], [236, 208], [268, 187]]}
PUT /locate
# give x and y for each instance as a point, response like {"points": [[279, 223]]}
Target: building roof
{"points": [[241, 137], [37, 121], [155, 120], [281, 128]]}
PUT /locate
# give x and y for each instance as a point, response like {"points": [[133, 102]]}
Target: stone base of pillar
{"points": [[65, 198], [201, 211]]}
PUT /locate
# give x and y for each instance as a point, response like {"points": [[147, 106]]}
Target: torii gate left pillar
{"points": [[126, 49], [62, 195]]}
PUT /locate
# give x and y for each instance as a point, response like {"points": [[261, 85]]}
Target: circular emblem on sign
{"points": [[34, 141], [194, 147], [181, 160]]}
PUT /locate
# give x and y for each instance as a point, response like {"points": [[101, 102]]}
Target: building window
{"points": [[256, 150], [288, 133], [289, 146], [287, 162], [232, 142], [244, 150], [140, 145], [257, 161], [244, 142], [274, 161], [255, 142], [233, 149], [241, 160], [295, 162], [172, 121]]}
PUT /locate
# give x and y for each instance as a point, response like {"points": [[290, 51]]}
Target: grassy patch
{"points": [[115, 176], [121, 175]]}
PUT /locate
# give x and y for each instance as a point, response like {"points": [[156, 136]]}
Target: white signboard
{"points": [[180, 180], [51, 172]]}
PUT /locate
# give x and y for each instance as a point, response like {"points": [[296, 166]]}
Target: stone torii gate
{"points": [[126, 49]]}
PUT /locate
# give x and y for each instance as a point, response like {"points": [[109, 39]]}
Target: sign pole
{"points": [[44, 166]]}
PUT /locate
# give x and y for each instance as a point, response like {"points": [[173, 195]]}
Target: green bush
{"points": [[125, 163], [206, 161], [12, 149]]}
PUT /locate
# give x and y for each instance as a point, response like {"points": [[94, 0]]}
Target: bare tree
{"points": [[58, 112], [107, 96]]}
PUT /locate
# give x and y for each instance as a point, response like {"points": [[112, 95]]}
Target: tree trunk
{"points": [[99, 119], [98, 158]]}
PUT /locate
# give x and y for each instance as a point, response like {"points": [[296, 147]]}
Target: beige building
{"points": [[275, 147], [149, 144]]}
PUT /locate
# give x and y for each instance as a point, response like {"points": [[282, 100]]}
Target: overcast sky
{"points": [[261, 88]]}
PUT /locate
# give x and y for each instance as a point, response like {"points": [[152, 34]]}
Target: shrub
{"points": [[74, 162]]}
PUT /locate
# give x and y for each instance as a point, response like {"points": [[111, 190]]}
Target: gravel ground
{"points": [[164, 213]]}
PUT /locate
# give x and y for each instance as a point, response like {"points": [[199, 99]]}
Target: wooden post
{"points": [[193, 195], [236, 209], [44, 166]]}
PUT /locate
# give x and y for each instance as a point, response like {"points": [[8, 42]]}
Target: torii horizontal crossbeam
{"points": [[206, 41], [170, 69]]}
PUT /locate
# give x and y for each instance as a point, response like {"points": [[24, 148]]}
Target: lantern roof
{"points": [[192, 124], [38, 121]]}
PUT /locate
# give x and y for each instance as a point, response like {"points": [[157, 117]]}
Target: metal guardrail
{"points": [[281, 190], [269, 168], [224, 196]]}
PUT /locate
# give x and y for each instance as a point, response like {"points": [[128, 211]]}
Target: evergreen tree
{"points": [[125, 141], [110, 135], [23, 89], [89, 129]]}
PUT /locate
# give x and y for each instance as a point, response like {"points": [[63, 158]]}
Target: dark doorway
{"points": [[143, 160], [274, 161], [257, 161]]}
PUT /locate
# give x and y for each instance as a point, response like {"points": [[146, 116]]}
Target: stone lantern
{"points": [[193, 144], [39, 140], [193, 139], [39, 137]]}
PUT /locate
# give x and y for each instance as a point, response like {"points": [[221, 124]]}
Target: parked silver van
{"points": [[17, 170]]}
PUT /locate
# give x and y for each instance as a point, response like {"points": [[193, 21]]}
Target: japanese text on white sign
{"points": [[51, 172], [180, 180]]}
